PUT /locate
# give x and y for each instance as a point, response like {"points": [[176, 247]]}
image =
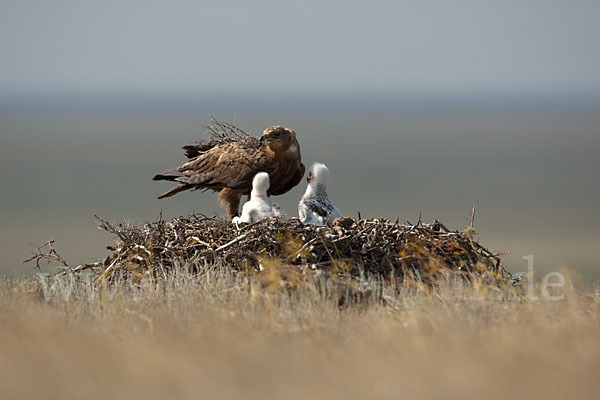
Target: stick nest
{"points": [[348, 247]]}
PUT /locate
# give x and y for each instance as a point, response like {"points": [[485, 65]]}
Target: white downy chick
{"points": [[259, 206], [315, 206]]}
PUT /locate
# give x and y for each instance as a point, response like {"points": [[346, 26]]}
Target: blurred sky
{"points": [[423, 47]]}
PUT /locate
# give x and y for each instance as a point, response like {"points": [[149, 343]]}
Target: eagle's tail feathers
{"points": [[174, 190], [168, 175]]}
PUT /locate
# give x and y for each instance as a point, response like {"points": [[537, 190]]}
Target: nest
{"points": [[376, 247]]}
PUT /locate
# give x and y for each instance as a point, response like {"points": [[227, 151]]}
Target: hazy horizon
{"points": [[416, 107], [532, 172]]}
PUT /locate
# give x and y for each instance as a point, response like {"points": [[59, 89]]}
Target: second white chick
{"points": [[315, 206], [259, 206]]}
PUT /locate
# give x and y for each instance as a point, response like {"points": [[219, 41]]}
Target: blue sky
{"points": [[411, 47]]}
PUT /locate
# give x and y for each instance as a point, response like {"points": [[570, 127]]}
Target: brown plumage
{"points": [[228, 166]]}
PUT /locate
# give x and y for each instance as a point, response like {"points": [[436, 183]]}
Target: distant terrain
{"points": [[530, 170]]}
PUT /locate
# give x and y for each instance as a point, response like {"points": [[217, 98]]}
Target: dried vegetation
{"points": [[348, 249]]}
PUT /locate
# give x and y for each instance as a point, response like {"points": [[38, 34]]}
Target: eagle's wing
{"points": [[274, 208], [332, 210], [290, 184], [194, 150], [277, 211], [248, 212], [226, 165], [335, 213], [311, 211]]}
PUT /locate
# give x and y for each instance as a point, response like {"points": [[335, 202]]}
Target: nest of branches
{"points": [[348, 247]]}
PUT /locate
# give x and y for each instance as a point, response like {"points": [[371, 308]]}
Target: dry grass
{"points": [[218, 335]]}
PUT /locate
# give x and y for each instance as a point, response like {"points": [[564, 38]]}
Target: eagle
{"points": [[315, 206], [259, 206], [228, 163]]}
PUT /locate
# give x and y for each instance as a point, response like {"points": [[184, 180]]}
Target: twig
{"points": [[472, 217], [234, 241], [48, 255]]}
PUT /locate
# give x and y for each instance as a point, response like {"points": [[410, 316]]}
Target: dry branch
{"points": [[46, 252], [221, 132]]}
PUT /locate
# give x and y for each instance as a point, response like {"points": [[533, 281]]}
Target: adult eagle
{"points": [[228, 164]]}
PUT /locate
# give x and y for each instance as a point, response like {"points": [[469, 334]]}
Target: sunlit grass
{"points": [[220, 335]]}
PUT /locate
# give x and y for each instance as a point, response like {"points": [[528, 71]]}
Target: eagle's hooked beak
{"points": [[263, 139]]}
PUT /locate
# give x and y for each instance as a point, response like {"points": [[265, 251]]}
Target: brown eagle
{"points": [[229, 164]]}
